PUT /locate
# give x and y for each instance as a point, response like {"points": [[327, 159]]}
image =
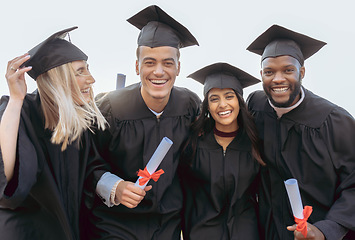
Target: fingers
{"points": [[312, 232], [147, 188], [292, 228], [14, 64], [129, 195]]}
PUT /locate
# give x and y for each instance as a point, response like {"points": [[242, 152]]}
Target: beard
{"points": [[296, 89]]}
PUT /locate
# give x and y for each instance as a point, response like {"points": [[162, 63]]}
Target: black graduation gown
{"points": [[313, 143], [127, 145], [219, 191], [43, 199]]}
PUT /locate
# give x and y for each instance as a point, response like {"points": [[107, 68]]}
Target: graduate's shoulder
{"points": [[119, 94], [120, 98], [256, 100], [315, 111], [30, 101], [185, 94], [182, 101], [323, 106]]}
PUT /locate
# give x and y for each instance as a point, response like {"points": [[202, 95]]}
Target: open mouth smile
{"points": [[87, 90], [159, 81], [280, 89], [224, 113]]}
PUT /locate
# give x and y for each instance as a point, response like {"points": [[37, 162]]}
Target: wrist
{"points": [[113, 198], [15, 101]]}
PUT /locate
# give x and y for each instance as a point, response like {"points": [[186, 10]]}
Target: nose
{"points": [[279, 77], [90, 79], [222, 103], [159, 70]]}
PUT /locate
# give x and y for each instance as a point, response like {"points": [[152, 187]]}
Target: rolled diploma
{"points": [[295, 197], [156, 159]]}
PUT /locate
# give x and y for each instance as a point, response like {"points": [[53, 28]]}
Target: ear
{"points": [[302, 72], [178, 69], [137, 67]]}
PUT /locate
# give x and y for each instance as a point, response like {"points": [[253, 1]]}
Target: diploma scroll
{"points": [[295, 197], [156, 159], [301, 215]]}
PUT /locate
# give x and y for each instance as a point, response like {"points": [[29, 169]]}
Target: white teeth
{"points": [[156, 81], [224, 113], [85, 90], [280, 90]]}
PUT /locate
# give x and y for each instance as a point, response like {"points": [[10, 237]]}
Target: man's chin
{"points": [[280, 104]]}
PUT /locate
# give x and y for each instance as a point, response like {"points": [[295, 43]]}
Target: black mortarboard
{"points": [[223, 75], [53, 52], [159, 29], [278, 41]]}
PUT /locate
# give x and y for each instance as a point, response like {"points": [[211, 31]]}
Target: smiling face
{"points": [[223, 106], [158, 68], [83, 78], [282, 78]]}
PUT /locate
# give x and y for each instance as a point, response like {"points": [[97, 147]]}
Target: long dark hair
{"points": [[205, 124]]}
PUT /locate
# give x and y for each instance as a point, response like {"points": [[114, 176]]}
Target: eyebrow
{"points": [[226, 93], [213, 95], [229, 92], [153, 59], [290, 65], [169, 59], [80, 68], [148, 58]]}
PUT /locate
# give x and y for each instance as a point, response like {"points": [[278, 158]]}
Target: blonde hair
{"points": [[60, 97]]}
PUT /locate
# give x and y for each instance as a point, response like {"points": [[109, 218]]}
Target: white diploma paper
{"points": [[156, 159], [295, 197]]}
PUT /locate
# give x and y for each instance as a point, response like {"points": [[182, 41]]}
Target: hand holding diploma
{"points": [[302, 229], [149, 171], [130, 194]]}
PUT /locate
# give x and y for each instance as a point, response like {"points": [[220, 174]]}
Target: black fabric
{"points": [[43, 199], [53, 52], [219, 191], [159, 29], [313, 143], [277, 41], [127, 145]]}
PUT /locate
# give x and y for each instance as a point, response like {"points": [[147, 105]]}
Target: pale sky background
{"points": [[223, 28]]}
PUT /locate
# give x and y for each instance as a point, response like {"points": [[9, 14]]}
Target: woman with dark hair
{"points": [[220, 160], [47, 151]]}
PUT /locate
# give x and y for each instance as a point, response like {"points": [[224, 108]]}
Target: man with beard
{"points": [[304, 137]]}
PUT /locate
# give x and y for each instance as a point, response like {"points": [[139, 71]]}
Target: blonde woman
{"points": [[46, 147]]}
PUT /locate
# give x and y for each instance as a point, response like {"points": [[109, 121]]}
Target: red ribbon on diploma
{"points": [[302, 223], [146, 176]]}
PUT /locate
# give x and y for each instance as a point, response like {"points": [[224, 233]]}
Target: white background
{"points": [[223, 28]]}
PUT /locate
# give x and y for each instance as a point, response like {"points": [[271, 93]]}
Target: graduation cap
{"points": [[53, 52], [223, 75], [159, 29], [279, 41]]}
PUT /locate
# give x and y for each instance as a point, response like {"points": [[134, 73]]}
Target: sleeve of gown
{"points": [[339, 135], [13, 193], [105, 185], [96, 168], [103, 182], [331, 229]]}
